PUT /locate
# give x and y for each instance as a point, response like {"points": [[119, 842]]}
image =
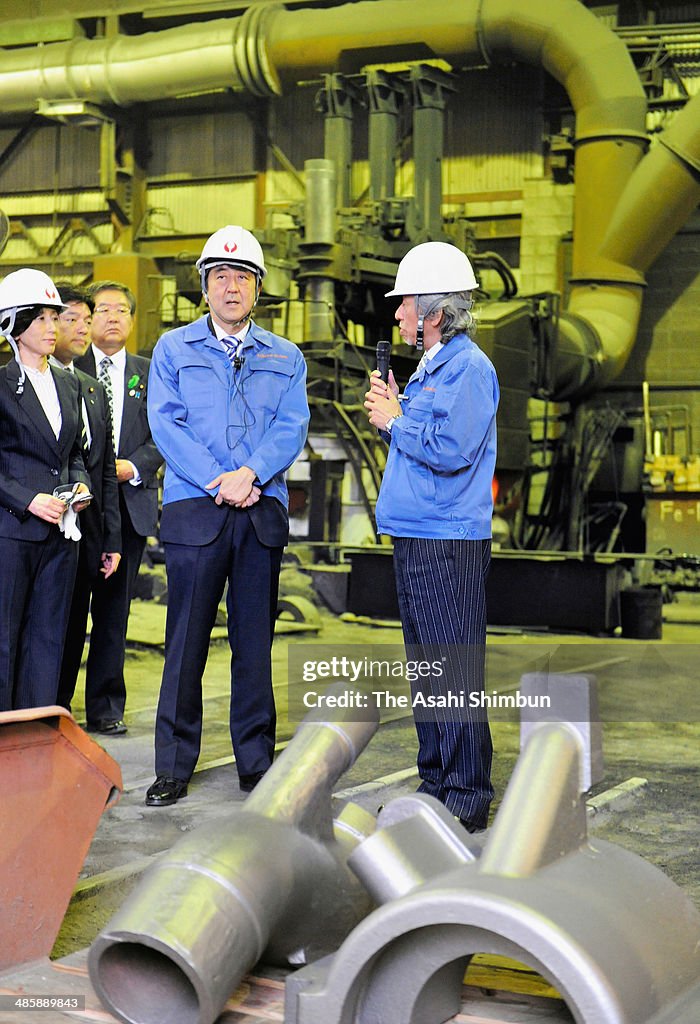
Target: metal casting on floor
{"points": [[271, 878], [616, 937]]}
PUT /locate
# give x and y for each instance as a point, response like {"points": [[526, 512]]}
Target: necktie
{"points": [[232, 348], [106, 382], [84, 442]]}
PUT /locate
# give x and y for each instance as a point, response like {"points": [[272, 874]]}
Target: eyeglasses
{"points": [[117, 310]]}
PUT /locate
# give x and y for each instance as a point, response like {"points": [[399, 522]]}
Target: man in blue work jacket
{"points": [[228, 411], [435, 502]]}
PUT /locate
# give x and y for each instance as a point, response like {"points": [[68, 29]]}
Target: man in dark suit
{"points": [[230, 414], [39, 452], [100, 523], [125, 379]]}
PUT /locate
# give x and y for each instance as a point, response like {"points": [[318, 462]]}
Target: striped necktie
{"points": [[106, 381], [84, 440], [84, 435], [232, 347]]}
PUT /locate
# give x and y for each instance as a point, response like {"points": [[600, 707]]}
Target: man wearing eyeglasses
{"points": [[124, 377], [100, 543]]}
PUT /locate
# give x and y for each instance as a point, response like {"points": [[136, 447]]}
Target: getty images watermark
{"points": [[636, 681], [439, 679]]}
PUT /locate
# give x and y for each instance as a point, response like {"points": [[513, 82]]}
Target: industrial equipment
{"points": [[395, 70], [614, 936], [270, 879]]}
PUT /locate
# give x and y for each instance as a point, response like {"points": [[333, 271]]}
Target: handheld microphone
{"points": [[383, 356]]}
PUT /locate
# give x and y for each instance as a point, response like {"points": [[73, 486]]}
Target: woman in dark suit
{"points": [[40, 450]]}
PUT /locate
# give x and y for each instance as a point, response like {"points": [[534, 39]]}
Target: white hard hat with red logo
{"points": [[433, 268], [231, 246], [28, 287], [20, 290]]}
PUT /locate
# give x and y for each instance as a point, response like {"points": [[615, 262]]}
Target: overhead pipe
{"points": [[121, 70], [271, 48]]}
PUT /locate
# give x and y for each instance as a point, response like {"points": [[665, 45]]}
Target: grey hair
{"points": [[455, 308]]}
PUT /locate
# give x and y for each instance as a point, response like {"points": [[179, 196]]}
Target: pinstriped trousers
{"points": [[442, 602]]}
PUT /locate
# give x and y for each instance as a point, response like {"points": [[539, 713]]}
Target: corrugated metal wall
{"points": [[193, 208], [202, 145], [55, 157], [493, 130]]}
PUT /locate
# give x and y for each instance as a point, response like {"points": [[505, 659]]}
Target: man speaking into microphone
{"points": [[228, 411], [383, 357], [435, 503]]}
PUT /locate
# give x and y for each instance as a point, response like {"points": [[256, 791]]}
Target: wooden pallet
{"points": [[496, 991]]}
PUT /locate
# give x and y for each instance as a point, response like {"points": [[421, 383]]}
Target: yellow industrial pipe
{"points": [[658, 198], [660, 195], [271, 48]]}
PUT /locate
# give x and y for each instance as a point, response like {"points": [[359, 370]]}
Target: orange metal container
{"points": [[55, 782]]}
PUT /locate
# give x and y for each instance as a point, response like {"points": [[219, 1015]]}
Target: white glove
{"points": [[68, 524]]}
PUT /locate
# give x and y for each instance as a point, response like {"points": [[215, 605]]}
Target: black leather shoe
{"points": [[247, 783], [165, 791], [108, 727]]}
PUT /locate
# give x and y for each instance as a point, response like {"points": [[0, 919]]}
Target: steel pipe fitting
{"points": [[269, 879]]}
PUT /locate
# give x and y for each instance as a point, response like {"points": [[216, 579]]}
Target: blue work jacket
{"points": [[442, 454], [208, 418]]}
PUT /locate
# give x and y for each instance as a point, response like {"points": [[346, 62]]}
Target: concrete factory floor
{"points": [[649, 701]]}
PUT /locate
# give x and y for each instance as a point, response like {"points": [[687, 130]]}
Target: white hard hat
{"points": [[28, 287], [432, 268], [233, 246], [20, 290]]}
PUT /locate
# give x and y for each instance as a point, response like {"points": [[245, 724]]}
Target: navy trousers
{"points": [[196, 580], [36, 582], [105, 689], [442, 602]]}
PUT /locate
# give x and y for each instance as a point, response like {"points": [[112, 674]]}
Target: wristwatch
{"points": [[389, 423]]}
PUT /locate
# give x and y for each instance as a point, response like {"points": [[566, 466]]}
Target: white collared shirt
{"points": [[45, 389], [69, 368], [240, 335], [429, 354], [116, 374]]}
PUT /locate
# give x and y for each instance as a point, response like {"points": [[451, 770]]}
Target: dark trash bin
{"points": [[641, 613]]}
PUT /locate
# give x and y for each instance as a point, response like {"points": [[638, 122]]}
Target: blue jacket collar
{"points": [[453, 346], [199, 330]]}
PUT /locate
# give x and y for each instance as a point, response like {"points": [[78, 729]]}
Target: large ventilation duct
{"points": [[660, 196], [271, 48]]}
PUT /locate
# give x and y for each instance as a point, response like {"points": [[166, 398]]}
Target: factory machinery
{"points": [[338, 252]]}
